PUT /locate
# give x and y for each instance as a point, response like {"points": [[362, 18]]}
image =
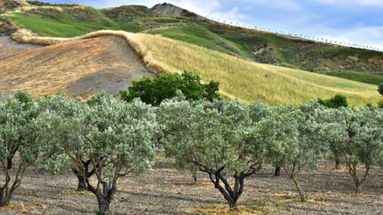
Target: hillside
{"points": [[177, 23], [239, 78], [81, 67]]}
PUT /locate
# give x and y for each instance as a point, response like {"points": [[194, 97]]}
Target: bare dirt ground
{"points": [[81, 67], [10, 48], [163, 190]]}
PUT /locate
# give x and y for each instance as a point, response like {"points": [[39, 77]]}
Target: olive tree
{"points": [[358, 135], [291, 138], [334, 134], [173, 119], [117, 139], [220, 139], [63, 123], [18, 136]]}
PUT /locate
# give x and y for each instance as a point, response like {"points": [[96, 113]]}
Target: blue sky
{"points": [[356, 21]]}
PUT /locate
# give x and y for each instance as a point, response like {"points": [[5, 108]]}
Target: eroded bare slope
{"points": [[81, 67]]}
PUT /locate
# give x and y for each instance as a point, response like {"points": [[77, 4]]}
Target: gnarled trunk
{"points": [[9, 163], [7, 190], [229, 192], [83, 175], [358, 181], [81, 183], [4, 198], [103, 204], [277, 171], [104, 194], [337, 163]]}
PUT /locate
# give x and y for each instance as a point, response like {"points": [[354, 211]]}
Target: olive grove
{"points": [[103, 139]]}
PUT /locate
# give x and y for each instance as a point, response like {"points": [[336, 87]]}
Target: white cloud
{"points": [[278, 4], [359, 35], [367, 3]]}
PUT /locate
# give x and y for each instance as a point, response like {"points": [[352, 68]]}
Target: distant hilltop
{"points": [[11, 4], [170, 10]]}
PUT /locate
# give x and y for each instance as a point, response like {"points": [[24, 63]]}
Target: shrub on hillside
{"points": [[154, 91], [336, 102], [380, 89]]}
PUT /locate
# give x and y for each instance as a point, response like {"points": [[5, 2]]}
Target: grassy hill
{"points": [[75, 20], [217, 52], [240, 79], [247, 80]]}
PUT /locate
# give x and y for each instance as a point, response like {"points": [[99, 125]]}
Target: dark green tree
{"points": [[336, 102], [380, 89], [154, 91]]}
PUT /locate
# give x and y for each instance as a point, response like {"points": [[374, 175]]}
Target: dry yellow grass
{"points": [[224, 210], [75, 192], [36, 208], [239, 78]]}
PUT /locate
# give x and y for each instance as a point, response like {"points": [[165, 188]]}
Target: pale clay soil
{"points": [[163, 190]]}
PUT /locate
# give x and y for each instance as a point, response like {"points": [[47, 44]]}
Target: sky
{"points": [[352, 21]]}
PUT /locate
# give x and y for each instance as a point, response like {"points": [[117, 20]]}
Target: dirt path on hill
{"points": [[81, 67]]}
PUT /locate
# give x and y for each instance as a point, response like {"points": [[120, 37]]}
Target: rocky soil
{"points": [[163, 190]]}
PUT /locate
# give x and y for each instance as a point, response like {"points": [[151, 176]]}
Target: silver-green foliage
{"points": [[18, 136], [116, 137], [357, 134], [219, 137], [293, 139]]}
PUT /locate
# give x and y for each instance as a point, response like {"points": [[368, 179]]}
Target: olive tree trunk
{"points": [[194, 173], [337, 163], [83, 175], [4, 197], [358, 181], [231, 193], [299, 188], [104, 193], [8, 188], [292, 170], [277, 171]]}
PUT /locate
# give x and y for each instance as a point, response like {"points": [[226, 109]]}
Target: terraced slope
{"points": [[81, 67]]}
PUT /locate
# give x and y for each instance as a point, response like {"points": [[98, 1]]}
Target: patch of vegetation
{"points": [[357, 76], [202, 37], [336, 102], [154, 91], [62, 26], [67, 22]]}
